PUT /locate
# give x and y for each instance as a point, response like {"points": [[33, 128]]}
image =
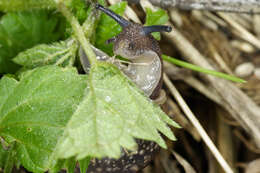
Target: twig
{"points": [[175, 72], [197, 124], [249, 145], [238, 6], [242, 32], [204, 20], [215, 18], [185, 164], [237, 103], [256, 24], [222, 64], [182, 120], [225, 142]]}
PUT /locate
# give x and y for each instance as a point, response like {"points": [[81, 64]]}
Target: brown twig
{"points": [[197, 124], [239, 105], [238, 6], [236, 102]]}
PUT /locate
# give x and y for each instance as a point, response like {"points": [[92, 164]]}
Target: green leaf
{"points": [[10, 161], [158, 17], [113, 112], [35, 111], [3, 156], [21, 5], [79, 9], [59, 53], [108, 28], [83, 164], [57, 166], [7, 86], [70, 165], [202, 70], [22, 30]]}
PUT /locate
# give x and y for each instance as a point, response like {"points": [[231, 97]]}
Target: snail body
{"points": [[144, 53], [137, 45]]}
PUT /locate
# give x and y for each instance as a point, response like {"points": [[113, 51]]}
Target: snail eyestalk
{"points": [[120, 20], [156, 28]]}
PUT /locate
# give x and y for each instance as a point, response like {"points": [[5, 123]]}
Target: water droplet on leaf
{"points": [[108, 99]]}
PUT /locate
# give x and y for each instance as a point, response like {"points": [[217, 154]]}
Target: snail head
{"points": [[134, 39]]}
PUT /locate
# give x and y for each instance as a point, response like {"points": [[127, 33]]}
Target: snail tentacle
{"points": [[120, 20]]}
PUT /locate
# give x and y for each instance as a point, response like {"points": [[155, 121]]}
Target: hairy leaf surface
{"points": [[111, 115], [60, 53], [35, 110]]}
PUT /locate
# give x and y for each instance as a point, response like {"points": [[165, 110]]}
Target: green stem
{"points": [[10, 162], [78, 31], [203, 70], [90, 24], [84, 163]]}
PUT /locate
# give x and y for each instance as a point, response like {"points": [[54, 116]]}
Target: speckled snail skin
{"points": [[136, 44]]}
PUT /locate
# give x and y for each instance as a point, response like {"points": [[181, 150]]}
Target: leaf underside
{"points": [[59, 53], [112, 113]]}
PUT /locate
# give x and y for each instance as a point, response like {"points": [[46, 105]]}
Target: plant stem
{"points": [[90, 23], [10, 159], [203, 70], [84, 163], [78, 31]]}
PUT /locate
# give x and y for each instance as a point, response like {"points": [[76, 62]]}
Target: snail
{"points": [[135, 43]]}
